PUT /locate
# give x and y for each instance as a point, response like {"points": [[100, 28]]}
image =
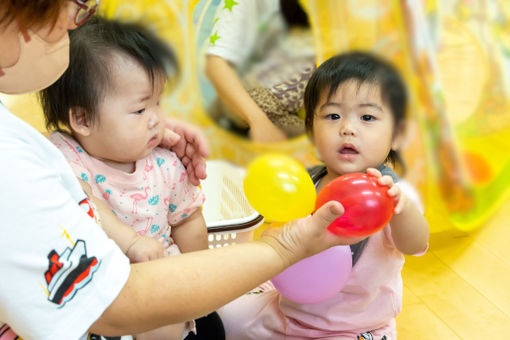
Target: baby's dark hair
{"points": [[362, 67], [87, 79]]}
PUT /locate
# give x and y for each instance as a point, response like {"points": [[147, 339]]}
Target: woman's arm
{"points": [[190, 234], [232, 93], [194, 284]]}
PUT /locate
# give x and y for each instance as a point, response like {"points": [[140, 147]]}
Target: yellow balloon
{"points": [[279, 188]]}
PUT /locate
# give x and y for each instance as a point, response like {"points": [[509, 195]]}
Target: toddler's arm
{"points": [[137, 248], [409, 228], [190, 234]]}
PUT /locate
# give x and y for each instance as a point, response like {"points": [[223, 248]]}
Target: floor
{"points": [[460, 289]]}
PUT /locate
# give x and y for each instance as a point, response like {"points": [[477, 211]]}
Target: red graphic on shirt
{"points": [[68, 272], [87, 207]]}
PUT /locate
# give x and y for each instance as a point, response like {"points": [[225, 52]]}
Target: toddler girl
{"points": [[355, 112]]}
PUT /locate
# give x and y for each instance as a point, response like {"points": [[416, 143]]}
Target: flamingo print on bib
{"points": [[152, 198]]}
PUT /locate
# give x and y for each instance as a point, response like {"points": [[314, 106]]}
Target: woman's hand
{"points": [[307, 236], [190, 145], [394, 190]]}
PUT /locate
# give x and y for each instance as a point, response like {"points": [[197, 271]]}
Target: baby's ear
{"points": [[78, 121]]}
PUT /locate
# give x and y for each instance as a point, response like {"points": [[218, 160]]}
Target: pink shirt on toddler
{"points": [[365, 308]]}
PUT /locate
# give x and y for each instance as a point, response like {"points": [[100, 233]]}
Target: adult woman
{"points": [[61, 276]]}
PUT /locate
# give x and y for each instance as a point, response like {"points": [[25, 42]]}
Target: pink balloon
{"points": [[316, 278]]}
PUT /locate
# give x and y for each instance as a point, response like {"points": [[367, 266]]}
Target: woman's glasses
{"points": [[86, 8]]}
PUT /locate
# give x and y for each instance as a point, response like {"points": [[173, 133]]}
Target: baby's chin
{"points": [[343, 170]]}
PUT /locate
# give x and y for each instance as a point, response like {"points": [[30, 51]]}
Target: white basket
{"points": [[229, 217]]}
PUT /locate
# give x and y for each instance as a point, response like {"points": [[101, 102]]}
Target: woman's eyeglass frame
{"points": [[84, 11]]}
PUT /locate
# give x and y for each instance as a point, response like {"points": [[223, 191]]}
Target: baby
{"points": [[108, 102]]}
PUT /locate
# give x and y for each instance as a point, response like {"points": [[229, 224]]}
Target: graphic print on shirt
{"points": [[68, 272], [365, 336], [72, 269], [368, 336], [86, 205]]}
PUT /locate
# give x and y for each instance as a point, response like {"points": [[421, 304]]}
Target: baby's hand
{"points": [[394, 191], [144, 249]]}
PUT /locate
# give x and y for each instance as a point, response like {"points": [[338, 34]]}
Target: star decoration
{"points": [[229, 4], [213, 38]]}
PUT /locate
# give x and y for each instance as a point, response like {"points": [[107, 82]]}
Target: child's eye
{"points": [[139, 112], [333, 116], [367, 118]]}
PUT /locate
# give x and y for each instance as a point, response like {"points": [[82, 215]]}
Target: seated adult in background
{"points": [[259, 59]]}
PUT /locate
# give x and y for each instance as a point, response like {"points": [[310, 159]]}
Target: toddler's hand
{"points": [[145, 248], [394, 190]]}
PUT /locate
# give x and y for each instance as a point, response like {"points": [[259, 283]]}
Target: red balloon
{"points": [[368, 207]]}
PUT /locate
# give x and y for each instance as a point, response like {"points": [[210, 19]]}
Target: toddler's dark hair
{"points": [[362, 67], [87, 79]]}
